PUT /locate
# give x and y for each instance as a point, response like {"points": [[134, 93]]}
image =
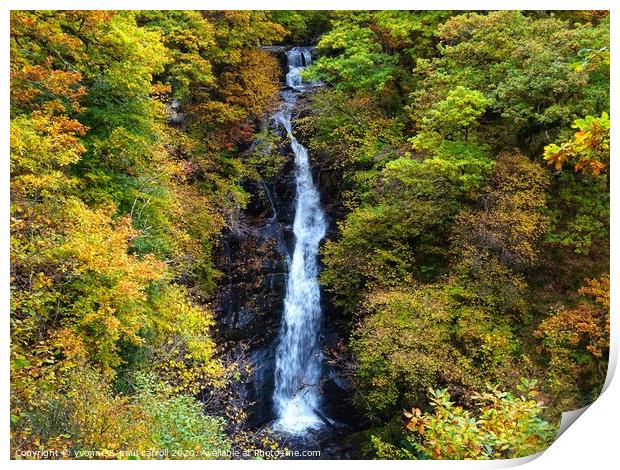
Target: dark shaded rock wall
{"points": [[249, 303]]}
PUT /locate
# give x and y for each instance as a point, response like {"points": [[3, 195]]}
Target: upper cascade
{"points": [[297, 59]]}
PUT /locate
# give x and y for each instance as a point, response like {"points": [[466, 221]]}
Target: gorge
{"points": [[281, 317], [298, 364]]}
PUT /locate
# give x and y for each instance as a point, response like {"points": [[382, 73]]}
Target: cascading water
{"points": [[298, 362]]}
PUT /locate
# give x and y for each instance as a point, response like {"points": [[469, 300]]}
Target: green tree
{"points": [[532, 88]]}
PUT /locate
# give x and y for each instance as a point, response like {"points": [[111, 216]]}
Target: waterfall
{"points": [[298, 360]]}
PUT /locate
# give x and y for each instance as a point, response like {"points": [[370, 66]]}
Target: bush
{"points": [[502, 426]]}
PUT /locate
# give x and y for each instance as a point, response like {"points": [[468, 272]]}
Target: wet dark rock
{"points": [[260, 388], [249, 304]]}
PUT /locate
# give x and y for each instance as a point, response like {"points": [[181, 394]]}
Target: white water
{"points": [[298, 359]]}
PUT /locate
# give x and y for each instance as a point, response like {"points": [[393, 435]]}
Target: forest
{"points": [[462, 163]]}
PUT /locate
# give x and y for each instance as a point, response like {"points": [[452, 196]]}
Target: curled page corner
{"points": [[569, 417], [567, 420], [611, 363], [510, 463]]}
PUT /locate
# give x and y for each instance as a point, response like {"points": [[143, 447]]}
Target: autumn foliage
{"points": [[463, 157], [473, 231], [111, 234]]}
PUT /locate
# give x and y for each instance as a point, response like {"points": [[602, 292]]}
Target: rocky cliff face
{"points": [[249, 303]]}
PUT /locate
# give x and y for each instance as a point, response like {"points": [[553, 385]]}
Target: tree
{"points": [[401, 346], [512, 222], [505, 55], [502, 426], [109, 220], [588, 150], [576, 340], [370, 52], [353, 57], [453, 117]]}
